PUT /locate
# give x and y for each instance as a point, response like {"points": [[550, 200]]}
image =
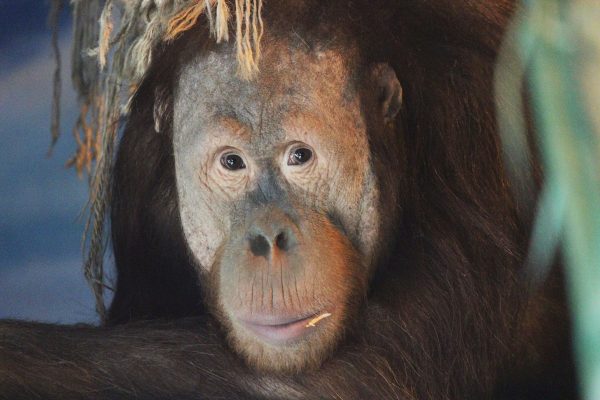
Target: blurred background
{"points": [[40, 200]]}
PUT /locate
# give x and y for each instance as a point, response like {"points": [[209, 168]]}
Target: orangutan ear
{"points": [[389, 89]]}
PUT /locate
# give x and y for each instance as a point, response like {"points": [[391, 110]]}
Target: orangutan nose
{"points": [[274, 234]]}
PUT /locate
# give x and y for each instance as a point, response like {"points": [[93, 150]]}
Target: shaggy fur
{"points": [[447, 317]]}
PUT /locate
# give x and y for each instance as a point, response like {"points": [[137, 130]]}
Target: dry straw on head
{"points": [[113, 42]]}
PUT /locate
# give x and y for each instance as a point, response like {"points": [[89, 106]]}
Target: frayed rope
{"points": [[249, 28]]}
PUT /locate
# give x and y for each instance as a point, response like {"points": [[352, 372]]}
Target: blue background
{"points": [[41, 201]]}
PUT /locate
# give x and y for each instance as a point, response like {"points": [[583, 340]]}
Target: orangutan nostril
{"points": [[281, 241], [259, 245]]}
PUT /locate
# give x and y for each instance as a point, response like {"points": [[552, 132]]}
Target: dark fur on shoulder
{"points": [[447, 316]]}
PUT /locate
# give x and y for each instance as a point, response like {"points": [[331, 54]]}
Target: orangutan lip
{"points": [[279, 329]]}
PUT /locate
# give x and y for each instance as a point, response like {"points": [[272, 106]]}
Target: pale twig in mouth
{"points": [[312, 323]]}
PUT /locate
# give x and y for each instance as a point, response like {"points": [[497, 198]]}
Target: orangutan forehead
{"points": [[288, 74]]}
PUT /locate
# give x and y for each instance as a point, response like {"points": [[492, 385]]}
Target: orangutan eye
{"points": [[232, 161], [299, 155]]}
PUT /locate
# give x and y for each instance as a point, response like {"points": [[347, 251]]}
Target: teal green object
{"points": [[547, 38]]}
